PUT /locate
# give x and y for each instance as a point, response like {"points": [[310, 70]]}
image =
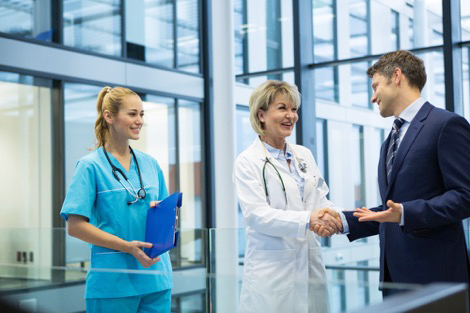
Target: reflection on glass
{"points": [[93, 25], [26, 175], [188, 35], [324, 30], [267, 27], [357, 156], [411, 40], [241, 43], [79, 124], [149, 31], [324, 49], [326, 83], [358, 27], [466, 81], [360, 83], [434, 90], [465, 14], [190, 177], [395, 38], [426, 16], [27, 18]]}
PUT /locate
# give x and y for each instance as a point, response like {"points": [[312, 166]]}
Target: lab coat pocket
{"points": [[271, 271]]}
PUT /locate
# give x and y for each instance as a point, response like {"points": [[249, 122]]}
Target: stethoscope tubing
{"points": [[302, 167], [137, 195]]}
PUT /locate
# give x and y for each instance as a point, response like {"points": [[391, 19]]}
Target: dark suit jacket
{"points": [[431, 179]]}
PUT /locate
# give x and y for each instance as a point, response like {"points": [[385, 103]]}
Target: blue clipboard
{"points": [[161, 225]]}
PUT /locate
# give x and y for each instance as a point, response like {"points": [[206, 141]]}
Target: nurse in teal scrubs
{"points": [[106, 205]]}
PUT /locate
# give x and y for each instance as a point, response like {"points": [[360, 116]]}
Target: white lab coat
{"points": [[284, 270]]}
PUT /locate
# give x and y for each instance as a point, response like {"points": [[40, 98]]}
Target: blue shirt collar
{"points": [[279, 153]]}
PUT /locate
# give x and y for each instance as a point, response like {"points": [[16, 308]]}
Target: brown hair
{"points": [[108, 99], [411, 66], [265, 94]]}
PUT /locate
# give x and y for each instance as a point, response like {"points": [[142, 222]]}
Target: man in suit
{"points": [[424, 181]]}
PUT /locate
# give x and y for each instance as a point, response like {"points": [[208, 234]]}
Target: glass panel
{"points": [[358, 27], [158, 136], [268, 27], [360, 83], [27, 18], [358, 168], [26, 175], [466, 81], [465, 14], [434, 90], [324, 30], [79, 124], [93, 25], [190, 177], [241, 37], [149, 31], [395, 29], [188, 35], [427, 22], [326, 83]]}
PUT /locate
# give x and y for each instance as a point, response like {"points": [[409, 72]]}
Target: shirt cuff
{"points": [[345, 223], [402, 219]]}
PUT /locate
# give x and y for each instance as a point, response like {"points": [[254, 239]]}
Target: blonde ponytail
{"points": [[108, 99]]}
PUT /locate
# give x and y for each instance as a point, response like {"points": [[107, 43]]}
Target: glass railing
{"points": [[45, 271]]}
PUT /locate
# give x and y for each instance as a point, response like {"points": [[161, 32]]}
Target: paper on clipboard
{"points": [[161, 225]]}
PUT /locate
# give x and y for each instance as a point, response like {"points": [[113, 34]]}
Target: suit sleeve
{"points": [[358, 229], [453, 205], [258, 214]]}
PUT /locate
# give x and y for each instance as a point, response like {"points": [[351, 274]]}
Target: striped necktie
{"points": [[392, 146]]}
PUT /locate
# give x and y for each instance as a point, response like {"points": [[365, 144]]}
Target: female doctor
{"points": [[281, 191], [106, 205]]}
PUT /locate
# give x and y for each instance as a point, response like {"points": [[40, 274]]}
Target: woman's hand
{"points": [[135, 248], [154, 203]]}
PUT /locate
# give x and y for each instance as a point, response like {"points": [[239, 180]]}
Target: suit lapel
{"points": [[413, 130], [382, 168]]}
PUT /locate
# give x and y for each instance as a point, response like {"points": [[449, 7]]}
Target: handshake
{"points": [[325, 222]]}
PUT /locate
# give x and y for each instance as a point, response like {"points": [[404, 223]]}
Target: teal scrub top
{"points": [[96, 194]]}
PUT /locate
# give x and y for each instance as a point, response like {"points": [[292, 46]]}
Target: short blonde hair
{"points": [[265, 94]]}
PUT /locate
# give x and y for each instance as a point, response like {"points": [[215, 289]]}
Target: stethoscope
{"points": [[141, 193], [302, 167]]}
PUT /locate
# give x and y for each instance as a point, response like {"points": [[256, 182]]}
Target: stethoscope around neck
{"points": [[302, 167], [141, 193]]}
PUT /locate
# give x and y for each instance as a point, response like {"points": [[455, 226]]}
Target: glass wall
{"points": [[27, 18], [465, 20], [26, 179], [93, 25], [263, 37], [164, 33], [171, 134]]}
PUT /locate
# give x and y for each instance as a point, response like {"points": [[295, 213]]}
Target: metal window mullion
{"points": [[175, 34], [58, 180], [452, 56], [304, 78], [123, 30], [57, 21]]}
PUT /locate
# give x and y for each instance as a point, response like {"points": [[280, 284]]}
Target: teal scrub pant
{"points": [[150, 303]]}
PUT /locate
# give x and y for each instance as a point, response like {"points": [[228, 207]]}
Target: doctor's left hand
{"points": [[392, 214], [135, 248]]}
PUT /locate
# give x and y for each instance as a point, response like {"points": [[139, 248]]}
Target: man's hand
{"points": [[325, 222], [393, 214]]}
